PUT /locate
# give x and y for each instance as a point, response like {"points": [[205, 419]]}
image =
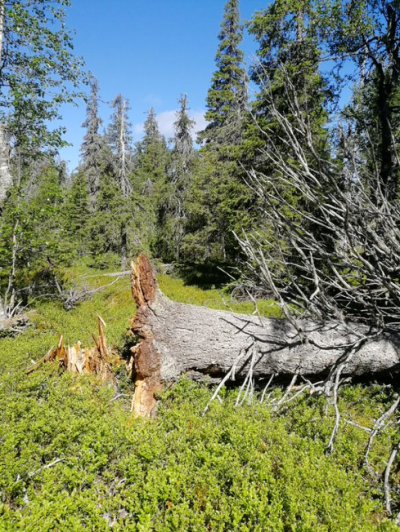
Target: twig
{"points": [[380, 425], [387, 475], [266, 387], [119, 396], [288, 391], [47, 466]]}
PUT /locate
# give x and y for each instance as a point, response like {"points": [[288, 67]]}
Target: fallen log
{"points": [[175, 339]]}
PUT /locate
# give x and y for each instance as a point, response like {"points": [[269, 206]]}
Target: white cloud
{"points": [[166, 121], [199, 118]]}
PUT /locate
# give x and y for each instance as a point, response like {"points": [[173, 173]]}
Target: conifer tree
{"points": [[172, 208], [218, 200], [227, 96], [183, 128], [77, 213], [92, 142], [119, 136], [151, 155], [288, 64], [106, 222], [290, 84]]}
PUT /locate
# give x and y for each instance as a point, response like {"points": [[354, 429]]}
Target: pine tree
{"points": [[119, 136], [227, 97], [92, 142]]}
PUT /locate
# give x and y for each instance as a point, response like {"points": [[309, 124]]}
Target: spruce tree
{"points": [[291, 84], [227, 96], [287, 67], [151, 156], [77, 213], [119, 137], [172, 205], [218, 200], [92, 142], [183, 150]]}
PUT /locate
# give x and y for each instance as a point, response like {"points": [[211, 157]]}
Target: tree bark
{"points": [[176, 339], [5, 174]]}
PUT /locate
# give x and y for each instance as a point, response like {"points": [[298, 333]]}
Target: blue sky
{"points": [[151, 51]]}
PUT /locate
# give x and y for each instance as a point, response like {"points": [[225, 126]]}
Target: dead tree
{"points": [[172, 339], [209, 345], [335, 258], [97, 360]]}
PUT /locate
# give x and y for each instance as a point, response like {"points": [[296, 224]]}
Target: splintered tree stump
{"points": [[175, 339], [75, 359]]}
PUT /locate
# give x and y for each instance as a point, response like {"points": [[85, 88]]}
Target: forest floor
{"points": [[73, 458]]}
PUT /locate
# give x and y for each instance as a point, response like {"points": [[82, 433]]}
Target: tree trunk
{"points": [[5, 175], [176, 339]]}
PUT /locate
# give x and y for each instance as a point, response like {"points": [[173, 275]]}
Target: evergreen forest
{"points": [[284, 208]]}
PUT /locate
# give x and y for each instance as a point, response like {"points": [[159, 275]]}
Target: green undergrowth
{"points": [[215, 298], [74, 459]]}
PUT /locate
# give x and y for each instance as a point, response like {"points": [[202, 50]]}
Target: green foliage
{"points": [[105, 224], [218, 203], [77, 213], [33, 235], [149, 178], [233, 469], [39, 72], [173, 195], [119, 137], [93, 144], [227, 96], [214, 298]]}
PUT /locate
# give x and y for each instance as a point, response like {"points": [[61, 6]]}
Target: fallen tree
{"points": [[172, 339], [176, 338], [13, 325]]}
